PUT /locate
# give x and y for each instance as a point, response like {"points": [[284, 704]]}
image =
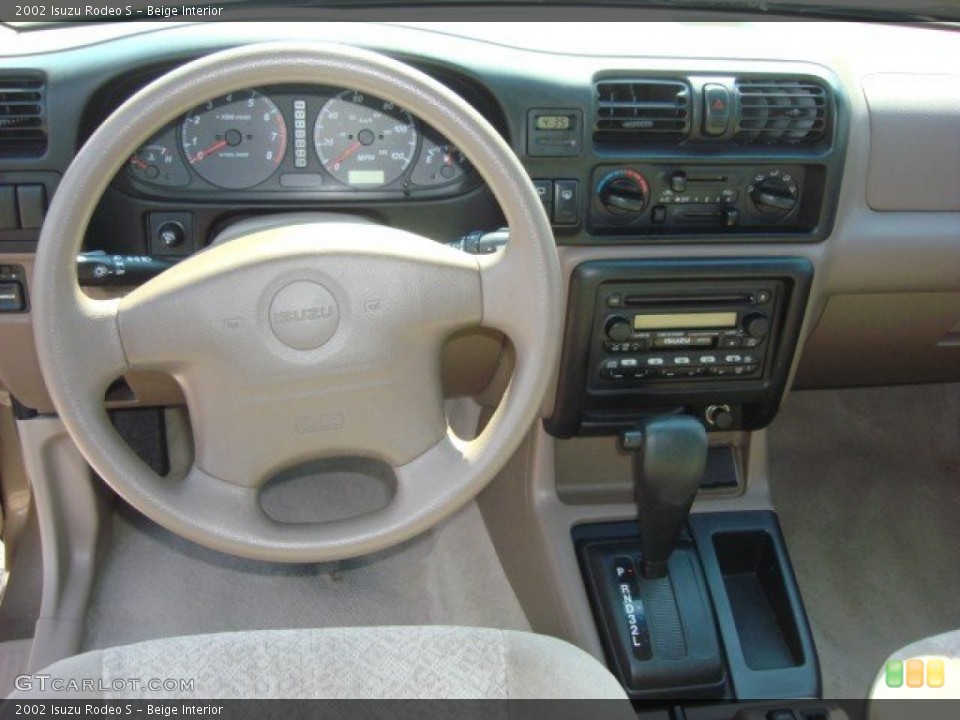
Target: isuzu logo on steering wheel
{"points": [[304, 315]]}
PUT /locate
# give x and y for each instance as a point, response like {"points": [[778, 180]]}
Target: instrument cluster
{"points": [[289, 140]]}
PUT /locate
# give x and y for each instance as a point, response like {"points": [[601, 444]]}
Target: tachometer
{"points": [[236, 141], [364, 141]]}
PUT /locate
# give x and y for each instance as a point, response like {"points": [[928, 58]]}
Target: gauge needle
{"points": [[209, 151], [356, 145], [137, 162]]}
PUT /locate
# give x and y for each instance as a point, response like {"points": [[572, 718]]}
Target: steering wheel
{"points": [[302, 340]]}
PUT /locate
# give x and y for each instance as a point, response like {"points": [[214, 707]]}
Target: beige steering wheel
{"points": [[302, 340]]}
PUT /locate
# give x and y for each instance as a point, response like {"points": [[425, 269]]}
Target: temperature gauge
{"points": [[439, 164], [158, 164]]}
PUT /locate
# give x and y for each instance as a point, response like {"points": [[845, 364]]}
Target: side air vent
{"points": [[642, 110], [780, 112], [23, 121]]}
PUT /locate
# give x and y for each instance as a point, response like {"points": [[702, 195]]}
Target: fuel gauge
{"points": [[158, 164], [439, 164]]}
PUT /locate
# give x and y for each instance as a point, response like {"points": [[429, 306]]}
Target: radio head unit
{"points": [[652, 336], [656, 332]]}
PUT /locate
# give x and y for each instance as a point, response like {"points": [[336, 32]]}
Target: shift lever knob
{"points": [[669, 456]]}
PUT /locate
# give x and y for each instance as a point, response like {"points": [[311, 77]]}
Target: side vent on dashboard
{"points": [[630, 110], [780, 111], [23, 118]]}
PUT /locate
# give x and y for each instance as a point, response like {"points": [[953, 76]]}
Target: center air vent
{"points": [[780, 112], [23, 123], [642, 110]]}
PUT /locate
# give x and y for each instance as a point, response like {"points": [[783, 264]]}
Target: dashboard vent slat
{"points": [[781, 112], [23, 117], [630, 110]]}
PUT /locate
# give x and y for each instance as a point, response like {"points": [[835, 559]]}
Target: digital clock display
{"points": [[554, 122]]}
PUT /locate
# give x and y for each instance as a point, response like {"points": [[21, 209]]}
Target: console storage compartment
{"points": [[762, 622]]}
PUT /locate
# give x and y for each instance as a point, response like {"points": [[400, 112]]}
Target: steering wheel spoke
{"points": [[89, 337]]}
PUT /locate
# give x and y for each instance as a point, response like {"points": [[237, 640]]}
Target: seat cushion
{"points": [[944, 647], [340, 663]]}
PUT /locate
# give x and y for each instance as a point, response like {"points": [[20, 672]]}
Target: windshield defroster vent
{"points": [[780, 112], [642, 110], [23, 121]]}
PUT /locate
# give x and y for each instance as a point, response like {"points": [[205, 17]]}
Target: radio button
{"points": [[629, 363], [610, 370], [681, 360], [707, 359], [733, 359], [654, 361], [730, 341], [752, 342]]}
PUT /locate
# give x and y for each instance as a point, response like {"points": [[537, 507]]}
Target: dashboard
{"points": [[829, 165]]}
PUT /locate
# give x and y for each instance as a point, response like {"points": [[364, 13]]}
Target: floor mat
{"points": [[867, 485], [153, 584]]}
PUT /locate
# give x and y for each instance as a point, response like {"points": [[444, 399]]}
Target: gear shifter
{"points": [[669, 456]]}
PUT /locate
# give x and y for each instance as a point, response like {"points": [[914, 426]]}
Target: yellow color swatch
{"points": [[914, 673], [935, 673]]}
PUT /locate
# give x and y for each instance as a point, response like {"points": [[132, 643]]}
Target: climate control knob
{"points": [[618, 328], [774, 196], [623, 192]]}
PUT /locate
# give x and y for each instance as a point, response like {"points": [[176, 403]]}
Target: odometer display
{"points": [[236, 141], [364, 141]]}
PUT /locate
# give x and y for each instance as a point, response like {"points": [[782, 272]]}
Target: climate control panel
{"points": [[660, 199]]}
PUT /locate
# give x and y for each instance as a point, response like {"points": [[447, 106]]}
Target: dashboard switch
{"points": [[32, 202], [11, 297], [171, 234], [716, 109], [544, 190], [566, 202], [8, 208]]}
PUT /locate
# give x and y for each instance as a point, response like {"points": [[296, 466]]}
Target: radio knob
{"points": [[756, 325], [774, 196], [618, 328]]}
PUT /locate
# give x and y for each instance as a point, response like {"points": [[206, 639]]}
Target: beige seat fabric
{"points": [[340, 663], [946, 645]]}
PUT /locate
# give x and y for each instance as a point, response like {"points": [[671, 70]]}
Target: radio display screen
{"points": [[685, 321]]}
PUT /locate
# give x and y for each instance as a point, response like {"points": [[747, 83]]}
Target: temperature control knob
{"points": [[623, 192], [618, 328], [774, 196]]}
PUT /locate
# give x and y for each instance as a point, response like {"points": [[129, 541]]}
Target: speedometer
{"points": [[364, 141], [236, 141]]}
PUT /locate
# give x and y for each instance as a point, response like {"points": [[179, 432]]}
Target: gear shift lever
{"points": [[669, 456]]}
